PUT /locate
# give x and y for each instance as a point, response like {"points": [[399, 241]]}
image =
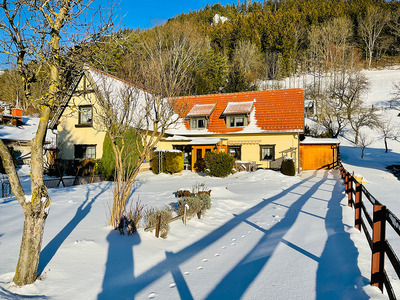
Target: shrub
{"points": [[152, 215], [155, 162], [131, 218], [173, 162], [199, 203], [287, 167], [219, 164], [130, 151], [195, 205]]}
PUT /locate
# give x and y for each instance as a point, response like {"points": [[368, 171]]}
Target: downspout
{"points": [[298, 153]]}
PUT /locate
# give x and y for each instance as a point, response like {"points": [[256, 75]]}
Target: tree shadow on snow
{"points": [[7, 295], [83, 210], [239, 279], [118, 278]]}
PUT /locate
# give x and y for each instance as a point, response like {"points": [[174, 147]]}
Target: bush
{"points": [[173, 162], [11, 150], [131, 218], [130, 151], [287, 167], [219, 164], [152, 215], [197, 204]]}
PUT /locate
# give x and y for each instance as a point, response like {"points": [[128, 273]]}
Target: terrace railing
{"points": [[381, 217]]}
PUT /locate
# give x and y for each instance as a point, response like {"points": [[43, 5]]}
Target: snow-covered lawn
{"points": [[267, 236]]}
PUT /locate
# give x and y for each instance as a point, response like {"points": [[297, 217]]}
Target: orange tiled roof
{"points": [[275, 110]]}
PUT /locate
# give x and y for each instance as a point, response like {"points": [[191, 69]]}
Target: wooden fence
{"points": [[380, 218]]}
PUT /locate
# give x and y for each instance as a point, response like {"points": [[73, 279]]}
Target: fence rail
{"points": [[380, 246], [54, 183]]}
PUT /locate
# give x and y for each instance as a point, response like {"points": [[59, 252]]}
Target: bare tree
{"points": [[363, 142], [360, 117], [387, 128], [37, 34], [161, 66], [370, 28]]}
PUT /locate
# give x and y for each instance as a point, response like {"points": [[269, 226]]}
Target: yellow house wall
{"points": [[251, 152], [69, 135]]}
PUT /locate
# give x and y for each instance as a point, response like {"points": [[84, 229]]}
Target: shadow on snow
{"points": [[330, 284]]}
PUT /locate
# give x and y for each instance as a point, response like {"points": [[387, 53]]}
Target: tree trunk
{"points": [[386, 146], [29, 254]]}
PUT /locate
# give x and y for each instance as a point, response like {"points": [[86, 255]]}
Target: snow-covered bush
{"points": [[287, 167], [152, 216], [219, 164]]}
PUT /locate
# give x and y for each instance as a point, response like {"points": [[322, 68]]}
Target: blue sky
{"points": [[143, 13]]}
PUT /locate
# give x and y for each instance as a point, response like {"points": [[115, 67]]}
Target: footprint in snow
{"points": [[186, 273], [152, 295], [172, 285], [216, 254], [233, 244], [223, 247], [205, 260], [199, 268], [256, 229], [233, 240], [249, 231], [243, 236]]}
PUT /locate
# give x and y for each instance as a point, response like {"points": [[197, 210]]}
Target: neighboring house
{"points": [[80, 133], [19, 137], [261, 127]]}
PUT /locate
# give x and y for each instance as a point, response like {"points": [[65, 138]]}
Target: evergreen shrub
{"points": [[287, 167], [130, 152], [173, 162], [219, 164]]}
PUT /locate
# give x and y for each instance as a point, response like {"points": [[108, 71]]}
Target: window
{"points": [[85, 151], [199, 123], [235, 151], [237, 121], [267, 152], [85, 115]]}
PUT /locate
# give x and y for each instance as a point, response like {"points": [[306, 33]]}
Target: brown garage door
{"points": [[313, 157]]}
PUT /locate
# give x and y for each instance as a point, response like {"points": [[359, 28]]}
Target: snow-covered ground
{"points": [[267, 236]]}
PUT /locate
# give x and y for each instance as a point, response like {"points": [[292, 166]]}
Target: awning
{"points": [[248, 142]]}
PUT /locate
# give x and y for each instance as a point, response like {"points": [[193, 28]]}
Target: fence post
{"points": [[378, 246], [158, 226], [350, 189], [358, 218], [345, 179]]}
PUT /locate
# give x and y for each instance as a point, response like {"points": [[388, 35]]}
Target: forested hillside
{"points": [[249, 42]]}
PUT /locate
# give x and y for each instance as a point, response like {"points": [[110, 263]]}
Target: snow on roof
{"points": [[311, 140], [204, 141], [115, 91], [238, 108], [201, 110], [25, 132]]}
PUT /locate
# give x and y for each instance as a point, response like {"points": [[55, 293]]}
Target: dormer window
{"points": [[237, 121], [237, 114], [199, 115], [198, 123]]}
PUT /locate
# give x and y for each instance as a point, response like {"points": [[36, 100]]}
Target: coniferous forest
{"points": [[242, 44]]}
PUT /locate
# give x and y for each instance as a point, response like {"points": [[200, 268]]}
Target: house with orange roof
{"points": [[260, 127]]}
